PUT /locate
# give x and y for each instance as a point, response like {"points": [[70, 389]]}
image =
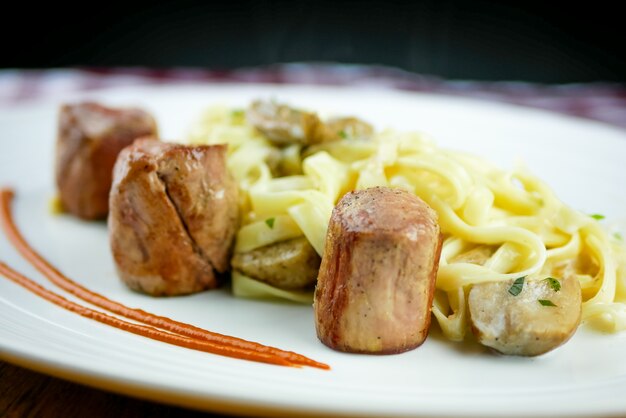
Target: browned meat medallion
{"points": [[173, 218], [377, 278], [90, 136]]}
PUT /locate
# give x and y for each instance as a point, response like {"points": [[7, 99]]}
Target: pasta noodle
{"points": [[497, 224]]}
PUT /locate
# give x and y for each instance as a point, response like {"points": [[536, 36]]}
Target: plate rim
{"points": [[481, 100], [77, 375]]}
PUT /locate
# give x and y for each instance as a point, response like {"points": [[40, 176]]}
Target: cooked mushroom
{"points": [[291, 264], [284, 125], [534, 321], [349, 127]]}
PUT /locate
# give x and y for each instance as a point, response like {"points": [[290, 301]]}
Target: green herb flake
{"points": [[237, 113], [517, 286], [618, 236], [546, 302], [343, 134], [270, 222], [554, 283], [597, 216]]}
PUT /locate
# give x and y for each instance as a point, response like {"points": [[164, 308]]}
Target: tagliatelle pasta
{"points": [[497, 224]]}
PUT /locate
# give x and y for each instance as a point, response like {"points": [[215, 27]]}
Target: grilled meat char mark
{"points": [[90, 136], [173, 217], [376, 281]]}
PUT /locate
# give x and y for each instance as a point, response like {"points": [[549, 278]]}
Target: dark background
{"points": [[553, 42]]}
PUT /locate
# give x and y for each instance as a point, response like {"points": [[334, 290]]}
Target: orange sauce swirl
{"points": [[179, 333]]}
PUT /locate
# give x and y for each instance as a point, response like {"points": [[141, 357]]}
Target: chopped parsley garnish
{"points": [[618, 236], [237, 113], [343, 134], [546, 302], [597, 216], [554, 283], [517, 286], [270, 222]]}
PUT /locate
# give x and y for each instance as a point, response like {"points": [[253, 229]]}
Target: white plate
{"points": [[583, 161]]}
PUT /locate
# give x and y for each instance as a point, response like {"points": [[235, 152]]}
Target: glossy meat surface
{"points": [[376, 282], [173, 217], [90, 136]]}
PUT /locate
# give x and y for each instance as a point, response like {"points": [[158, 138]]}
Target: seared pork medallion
{"points": [[173, 216], [90, 136], [525, 317], [377, 278]]}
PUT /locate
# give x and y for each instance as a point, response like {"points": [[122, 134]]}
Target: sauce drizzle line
{"points": [[187, 330], [143, 330]]}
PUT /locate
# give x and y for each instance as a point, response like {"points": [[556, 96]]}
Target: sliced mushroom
{"points": [[285, 125], [349, 127], [291, 264], [533, 322]]}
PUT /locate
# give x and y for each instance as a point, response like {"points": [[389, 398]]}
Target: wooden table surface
{"points": [[24, 393]]}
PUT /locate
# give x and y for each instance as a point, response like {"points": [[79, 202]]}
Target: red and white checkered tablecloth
{"points": [[600, 101]]}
